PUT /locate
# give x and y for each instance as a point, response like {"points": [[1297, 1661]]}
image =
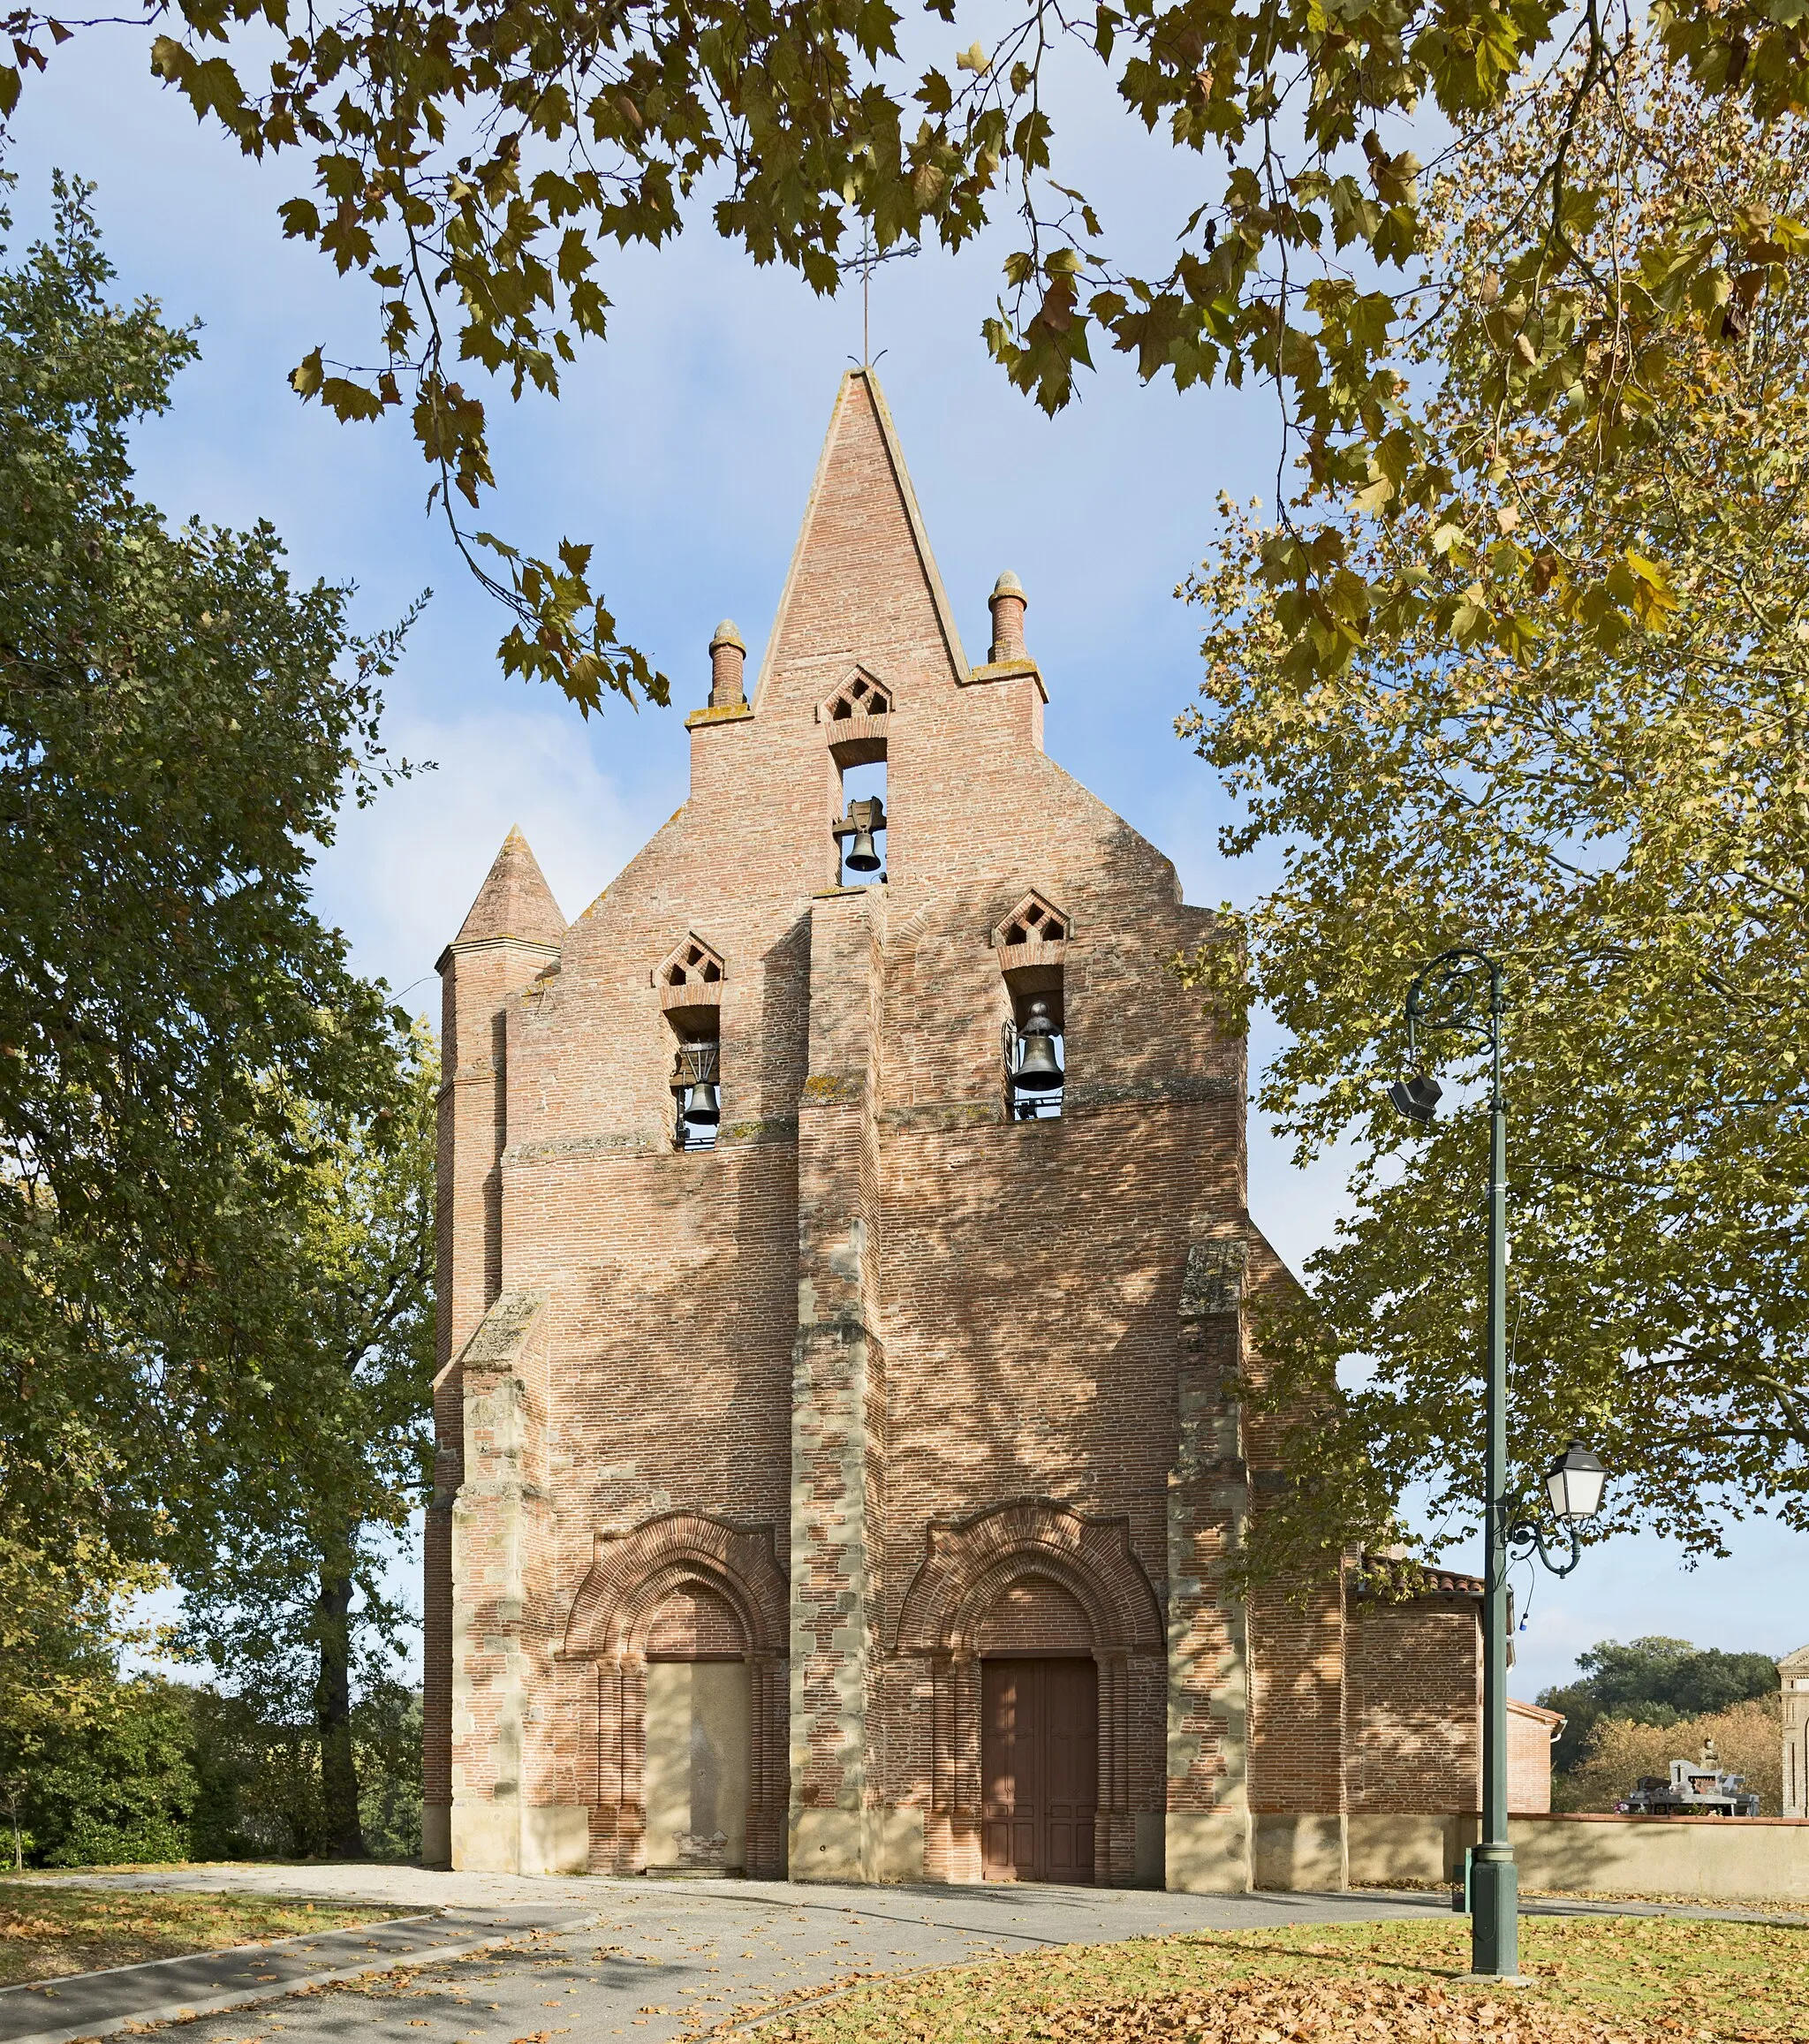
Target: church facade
{"points": [[843, 1254]]}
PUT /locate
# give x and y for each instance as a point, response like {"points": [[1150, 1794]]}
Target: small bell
{"points": [[703, 1107], [866, 815], [1039, 1069]]}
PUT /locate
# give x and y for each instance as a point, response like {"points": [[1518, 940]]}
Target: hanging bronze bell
{"points": [[866, 815], [1039, 1069], [703, 1106]]}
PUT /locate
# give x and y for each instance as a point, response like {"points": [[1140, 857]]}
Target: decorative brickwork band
{"points": [[947, 1616], [633, 1578]]}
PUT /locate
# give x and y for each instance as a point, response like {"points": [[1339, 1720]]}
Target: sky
{"points": [[684, 449]]}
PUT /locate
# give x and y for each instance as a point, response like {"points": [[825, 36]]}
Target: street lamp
{"points": [[1417, 1098], [1448, 995], [1575, 1483]]}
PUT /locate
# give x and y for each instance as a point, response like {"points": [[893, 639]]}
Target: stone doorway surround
{"points": [[683, 1587], [1032, 1577]]}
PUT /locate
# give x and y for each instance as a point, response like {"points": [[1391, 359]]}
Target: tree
{"points": [[1654, 1681], [1619, 811], [474, 162], [61, 1595], [290, 1606], [259, 1789], [179, 722], [1747, 1738]]}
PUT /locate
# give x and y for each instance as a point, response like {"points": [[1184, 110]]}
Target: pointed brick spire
{"points": [[863, 585], [514, 900]]}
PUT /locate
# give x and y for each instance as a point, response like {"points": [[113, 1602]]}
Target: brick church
{"points": [[842, 1251]]}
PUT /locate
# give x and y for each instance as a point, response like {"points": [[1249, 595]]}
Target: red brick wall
{"points": [[1414, 1711], [878, 1306]]}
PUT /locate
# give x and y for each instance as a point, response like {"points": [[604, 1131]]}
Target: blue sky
{"points": [[684, 449]]}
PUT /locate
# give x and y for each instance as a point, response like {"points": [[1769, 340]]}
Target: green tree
{"points": [[291, 1607], [179, 722], [1653, 1681], [1747, 1739], [259, 1789], [1622, 816], [62, 1593], [475, 163]]}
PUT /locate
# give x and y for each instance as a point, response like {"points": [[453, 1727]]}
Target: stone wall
{"points": [[1706, 1859]]}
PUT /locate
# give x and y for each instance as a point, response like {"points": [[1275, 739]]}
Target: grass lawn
{"points": [[1597, 1981], [47, 1930]]}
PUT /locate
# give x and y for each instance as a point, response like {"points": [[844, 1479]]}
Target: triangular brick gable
{"points": [[859, 693], [514, 901], [863, 586]]}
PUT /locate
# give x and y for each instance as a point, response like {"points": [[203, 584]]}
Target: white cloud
{"points": [[402, 874]]}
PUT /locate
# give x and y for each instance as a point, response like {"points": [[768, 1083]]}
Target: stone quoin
{"points": [[842, 1486]]}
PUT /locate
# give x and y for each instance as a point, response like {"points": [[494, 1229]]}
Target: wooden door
{"points": [[1039, 1750]]}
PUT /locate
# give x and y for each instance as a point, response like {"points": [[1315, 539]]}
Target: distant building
{"points": [[1793, 1676], [841, 1291], [1532, 1730]]}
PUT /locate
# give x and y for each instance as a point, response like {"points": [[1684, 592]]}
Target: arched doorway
{"points": [[697, 1734], [1037, 1582], [675, 1666]]}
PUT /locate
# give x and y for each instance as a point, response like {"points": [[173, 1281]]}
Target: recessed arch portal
{"points": [[1034, 1578], [683, 1589]]}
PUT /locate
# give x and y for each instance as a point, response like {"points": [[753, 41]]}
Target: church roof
{"points": [[514, 901]]}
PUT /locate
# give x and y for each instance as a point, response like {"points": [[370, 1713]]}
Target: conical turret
{"points": [[514, 900]]}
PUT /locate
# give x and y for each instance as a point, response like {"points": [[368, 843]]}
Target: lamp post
{"points": [[1450, 986]]}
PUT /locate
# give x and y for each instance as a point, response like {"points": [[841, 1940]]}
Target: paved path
{"points": [[645, 1961], [176, 1989]]}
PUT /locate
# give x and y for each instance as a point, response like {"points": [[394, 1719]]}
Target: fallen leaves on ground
{"points": [[1593, 1980], [49, 1930]]}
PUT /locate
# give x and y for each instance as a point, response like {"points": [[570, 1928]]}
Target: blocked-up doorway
{"points": [[696, 1748], [1038, 1769]]}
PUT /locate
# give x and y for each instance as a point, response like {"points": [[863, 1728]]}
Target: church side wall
{"points": [[1415, 1729]]}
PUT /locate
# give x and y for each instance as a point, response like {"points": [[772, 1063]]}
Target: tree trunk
{"points": [[344, 1838]]}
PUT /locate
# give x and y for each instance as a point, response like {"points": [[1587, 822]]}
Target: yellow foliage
{"points": [[1746, 1741]]}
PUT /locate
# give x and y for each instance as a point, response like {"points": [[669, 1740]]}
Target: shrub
{"points": [[118, 1786]]}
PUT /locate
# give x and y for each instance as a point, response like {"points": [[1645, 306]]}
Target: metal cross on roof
{"points": [[863, 265]]}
